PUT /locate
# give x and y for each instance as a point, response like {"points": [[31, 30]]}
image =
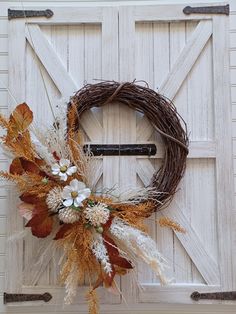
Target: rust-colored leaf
{"points": [[31, 199], [21, 165], [41, 225], [107, 225], [114, 255], [29, 166], [21, 117], [16, 167], [62, 231]]}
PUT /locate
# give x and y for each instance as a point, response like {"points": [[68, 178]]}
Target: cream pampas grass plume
{"points": [[139, 246]]}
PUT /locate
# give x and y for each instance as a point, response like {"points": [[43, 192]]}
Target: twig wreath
{"points": [[101, 235], [164, 118]]}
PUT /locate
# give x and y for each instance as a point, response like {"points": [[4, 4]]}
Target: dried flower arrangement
{"points": [[101, 236]]}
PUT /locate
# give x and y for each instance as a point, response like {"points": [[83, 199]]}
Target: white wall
{"points": [[3, 108]]}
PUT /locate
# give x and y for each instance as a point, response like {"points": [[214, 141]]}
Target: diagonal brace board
{"points": [[205, 264], [60, 76], [50, 60], [180, 70], [190, 241], [186, 59]]}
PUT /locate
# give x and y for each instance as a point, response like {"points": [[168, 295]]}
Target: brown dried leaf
{"points": [[41, 225], [21, 117], [16, 167]]}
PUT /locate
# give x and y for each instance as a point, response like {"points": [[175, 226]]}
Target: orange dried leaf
{"points": [[41, 225], [16, 167], [29, 166], [114, 255], [21, 117], [29, 198]]}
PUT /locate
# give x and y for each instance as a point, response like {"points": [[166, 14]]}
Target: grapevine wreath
{"points": [[101, 235]]}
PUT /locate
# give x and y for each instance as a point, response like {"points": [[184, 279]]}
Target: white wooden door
{"points": [[54, 59], [184, 58]]}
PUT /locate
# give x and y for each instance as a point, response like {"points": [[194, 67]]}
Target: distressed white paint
{"points": [[202, 140]]}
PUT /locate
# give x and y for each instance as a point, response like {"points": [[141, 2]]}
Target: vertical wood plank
{"points": [[144, 71], [111, 127], [127, 120], [181, 259], [76, 42], [164, 236], [15, 249], [110, 111], [224, 167]]}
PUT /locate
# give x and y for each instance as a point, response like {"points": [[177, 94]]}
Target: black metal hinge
{"points": [[15, 14], [23, 297], [121, 149], [218, 9], [229, 295]]}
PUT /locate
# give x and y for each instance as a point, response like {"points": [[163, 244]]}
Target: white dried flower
{"points": [[97, 214], [101, 254], [54, 199], [63, 169], [75, 193], [68, 215]]}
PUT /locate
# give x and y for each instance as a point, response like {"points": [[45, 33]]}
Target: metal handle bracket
{"points": [[121, 149]]}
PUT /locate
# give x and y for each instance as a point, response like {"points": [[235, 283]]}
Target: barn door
{"points": [[185, 58], [56, 57]]}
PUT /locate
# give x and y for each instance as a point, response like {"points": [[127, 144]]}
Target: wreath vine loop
{"points": [[163, 116]]}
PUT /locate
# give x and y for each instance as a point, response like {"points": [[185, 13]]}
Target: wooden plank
{"points": [[14, 221], [127, 120], [224, 168], [186, 59], [110, 111], [162, 63], [205, 264], [180, 257]]}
